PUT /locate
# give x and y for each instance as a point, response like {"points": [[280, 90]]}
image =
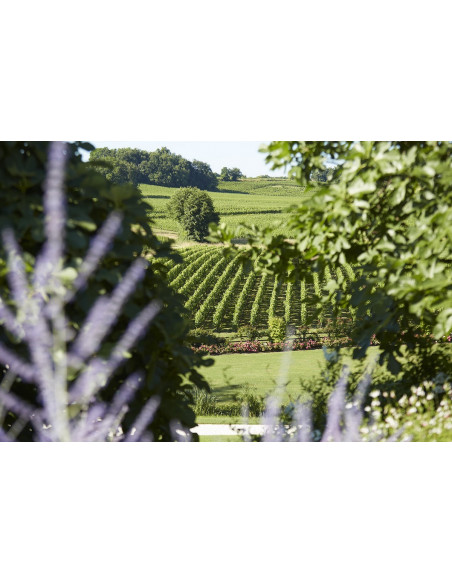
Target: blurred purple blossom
{"points": [[99, 247], [55, 218], [343, 423], [69, 411], [105, 312], [333, 429]]}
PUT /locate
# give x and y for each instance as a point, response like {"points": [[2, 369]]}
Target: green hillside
{"points": [[252, 201]]}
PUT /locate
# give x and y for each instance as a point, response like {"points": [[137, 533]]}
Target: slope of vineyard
{"points": [[223, 294], [262, 202]]}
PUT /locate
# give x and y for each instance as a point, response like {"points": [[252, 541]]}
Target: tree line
{"points": [[161, 167]]}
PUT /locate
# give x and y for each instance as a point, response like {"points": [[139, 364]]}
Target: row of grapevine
{"points": [[188, 258], [228, 297], [274, 299], [289, 301], [351, 277], [318, 293], [205, 285], [303, 298], [350, 273], [327, 274], [212, 298], [243, 297], [222, 292], [258, 299], [199, 270]]}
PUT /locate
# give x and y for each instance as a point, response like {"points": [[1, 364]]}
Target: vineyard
{"points": [[261, 202], [224, 294]]}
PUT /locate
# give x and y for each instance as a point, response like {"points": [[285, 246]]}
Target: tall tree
{"points": [[194, 210]]}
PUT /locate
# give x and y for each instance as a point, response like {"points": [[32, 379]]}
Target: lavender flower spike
{"points": [[54, 202], [354, 411], [42, 326], [303, 423], [333, 431], [133, 333], [112, 416], [16, 273], [55, 218], [9, 320], [97, 371], [105, 312], [17, 366], [144, 418], [97, 250]]}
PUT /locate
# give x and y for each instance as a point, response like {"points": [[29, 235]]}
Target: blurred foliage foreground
{"points": [[167, 366], [389, 214]]}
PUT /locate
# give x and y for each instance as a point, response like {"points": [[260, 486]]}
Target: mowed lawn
{"points": [[231, 373]]}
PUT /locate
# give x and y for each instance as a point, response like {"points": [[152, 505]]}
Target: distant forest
{"points": [[161, 167]]}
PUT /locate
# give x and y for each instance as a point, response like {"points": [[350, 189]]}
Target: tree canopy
{"points": [[194, 210], [161, 167], [389, 214], [228, 174]]}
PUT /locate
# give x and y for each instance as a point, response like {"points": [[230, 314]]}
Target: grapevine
{"points": [[243, 297], [228, 296], [257, 300], [211, 299]]}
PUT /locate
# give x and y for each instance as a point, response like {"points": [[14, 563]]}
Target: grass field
{"points": [[230, 373], [258, 201]]}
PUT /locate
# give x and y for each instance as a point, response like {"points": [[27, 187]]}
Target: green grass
{"points": [[230, 373], [220, 439], [258, 201]]}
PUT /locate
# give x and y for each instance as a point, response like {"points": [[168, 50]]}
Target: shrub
{"points": [[248, 332], [200, 336], [90, 200], [277, 328], [338, 328], [423, 414], [194, 210], [204, 403], [303, 334], [249, 403]]}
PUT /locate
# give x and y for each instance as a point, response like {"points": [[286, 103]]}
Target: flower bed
{"points": [[257, 347], [269, 347]]}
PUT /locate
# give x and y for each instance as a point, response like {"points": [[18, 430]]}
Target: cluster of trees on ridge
{"points": [[231, 174], [161, 167]]}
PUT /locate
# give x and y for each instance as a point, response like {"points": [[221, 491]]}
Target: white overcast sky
{"points": [[244, 155]]}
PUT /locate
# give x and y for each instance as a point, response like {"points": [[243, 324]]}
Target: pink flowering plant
{"points": [[272, 347]]}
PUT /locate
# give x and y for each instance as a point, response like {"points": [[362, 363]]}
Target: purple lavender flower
{"points": [[16, 274], [74, 413], [15, 363], [98, 249], [143, 420], [105, 313], [55, 217], [333, 430]]}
